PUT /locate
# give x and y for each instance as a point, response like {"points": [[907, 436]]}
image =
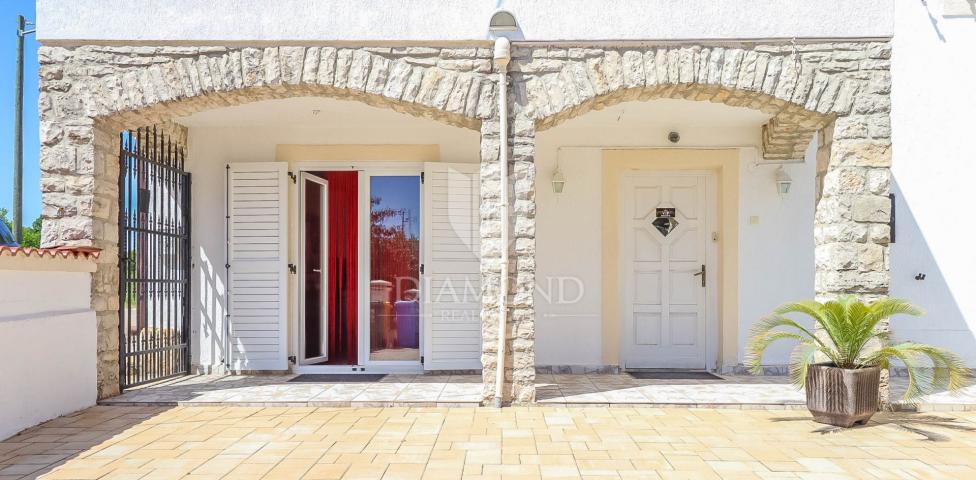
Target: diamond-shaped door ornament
{"points": [[665, 225]]}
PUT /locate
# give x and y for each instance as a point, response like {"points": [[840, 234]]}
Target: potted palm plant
{"points": [[843, 388]]}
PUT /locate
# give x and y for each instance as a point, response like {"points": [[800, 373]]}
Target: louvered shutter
{"points": [[452, 267], [258, 253]]}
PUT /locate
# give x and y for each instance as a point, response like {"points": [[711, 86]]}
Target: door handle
{"points": [[702, 273], [317, 270]]}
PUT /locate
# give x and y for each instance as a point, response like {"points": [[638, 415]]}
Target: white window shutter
{"points": [[258, 255], [452, 266]]}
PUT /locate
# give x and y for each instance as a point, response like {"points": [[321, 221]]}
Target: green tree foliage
{"points": [[32, 233]]}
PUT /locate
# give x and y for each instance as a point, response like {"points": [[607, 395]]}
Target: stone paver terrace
{"points": [[115, 442], [728, 391]]}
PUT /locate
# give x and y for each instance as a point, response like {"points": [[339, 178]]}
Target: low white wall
{"points": [[47, 342]]}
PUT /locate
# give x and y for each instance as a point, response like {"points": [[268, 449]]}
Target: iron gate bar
{"points": [[154, 258]]}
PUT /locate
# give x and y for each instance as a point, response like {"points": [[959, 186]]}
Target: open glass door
{"points": [[394, 268], [314, 320]]}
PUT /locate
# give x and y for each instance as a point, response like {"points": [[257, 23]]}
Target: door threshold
{"points": [[358, 369], [665, 370]]}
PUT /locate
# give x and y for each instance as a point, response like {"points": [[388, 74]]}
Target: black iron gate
{"points": [[154, 258]]}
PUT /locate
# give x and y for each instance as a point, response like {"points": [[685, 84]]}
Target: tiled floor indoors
{"points": [[149, 443], [465, 390]]}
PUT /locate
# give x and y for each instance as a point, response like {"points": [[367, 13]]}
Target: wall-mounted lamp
{"points": [[502, 21], [783, 182], [558, 181]]}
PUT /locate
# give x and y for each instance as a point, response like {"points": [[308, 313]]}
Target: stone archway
{"points": [[90, 93], [839, 89]]}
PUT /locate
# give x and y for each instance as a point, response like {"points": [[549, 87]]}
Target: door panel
{"points": [[258, 254], [315, 320], [452, 297], [663, 248], [394, 270]]}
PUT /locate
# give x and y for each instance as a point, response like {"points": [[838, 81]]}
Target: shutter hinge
{"points": [[421, 269], [421, 359], [292, 268], [421, 177], [293, 177]]}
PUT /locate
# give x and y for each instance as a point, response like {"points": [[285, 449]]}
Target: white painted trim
{"points": [[713, 271]]}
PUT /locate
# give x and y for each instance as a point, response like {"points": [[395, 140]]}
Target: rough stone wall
{"points": [[520, 324], [90, 93], [841, 90], [803, 86]]}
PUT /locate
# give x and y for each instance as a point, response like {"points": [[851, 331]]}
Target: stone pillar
{"points": [[852, 221], [79, 181], [491, 247], [521, 320], [520, 329], [79, 185]]}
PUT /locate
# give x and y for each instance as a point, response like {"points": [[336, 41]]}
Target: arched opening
{"points": [[385, 152], [637, 298]]}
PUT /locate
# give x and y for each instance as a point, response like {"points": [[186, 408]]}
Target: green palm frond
{"points": [[929, 368], [759, 343], [846, 331], [824, 315], [800, 360]]}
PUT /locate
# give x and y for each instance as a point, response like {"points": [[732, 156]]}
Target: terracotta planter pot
{"points": [[842, 397]]}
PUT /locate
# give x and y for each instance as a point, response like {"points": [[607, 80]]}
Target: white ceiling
{"points": [[669, 113], [349, 114], [300, 112]]}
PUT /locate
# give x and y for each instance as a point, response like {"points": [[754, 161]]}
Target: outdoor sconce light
{"points": [[558, 181], [502, 21], [783, 182]]}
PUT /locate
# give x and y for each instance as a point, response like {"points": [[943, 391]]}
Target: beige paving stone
{"points": [[532, 442]]}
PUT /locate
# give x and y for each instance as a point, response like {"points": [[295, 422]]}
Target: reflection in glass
{"points": [[394, 295], [665, 225]]}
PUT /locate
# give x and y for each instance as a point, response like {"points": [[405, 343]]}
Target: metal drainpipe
{"points": [[503, 55]]}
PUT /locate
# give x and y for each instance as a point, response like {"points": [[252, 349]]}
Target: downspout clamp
{"points": [[503, 54]]}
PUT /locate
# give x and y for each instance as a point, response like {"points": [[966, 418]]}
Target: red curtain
{"points": [[343, 266]]}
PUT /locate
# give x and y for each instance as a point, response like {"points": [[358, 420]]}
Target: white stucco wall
{"points": [[455, 20], [771, 270], [933, 100], [250, 133], [775, 255], [47, 343]]}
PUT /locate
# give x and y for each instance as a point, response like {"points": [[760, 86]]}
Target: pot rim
{"points": [[831, 365]]}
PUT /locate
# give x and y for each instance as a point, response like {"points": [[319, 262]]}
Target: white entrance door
{"points": [[664, 269]]}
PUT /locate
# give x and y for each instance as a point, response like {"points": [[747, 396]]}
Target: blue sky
{"points": [[9, 9]]}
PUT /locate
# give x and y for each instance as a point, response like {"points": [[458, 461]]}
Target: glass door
{"points": [[393, 322], [313, 339]]}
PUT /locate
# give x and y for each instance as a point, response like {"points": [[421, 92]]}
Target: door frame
{"points": [[302, 177], [713, 240], [365, 169]]}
